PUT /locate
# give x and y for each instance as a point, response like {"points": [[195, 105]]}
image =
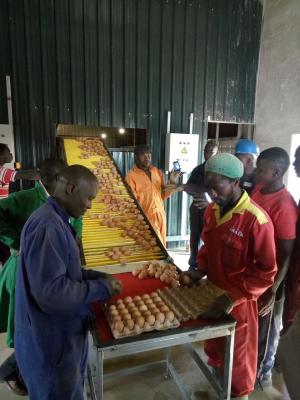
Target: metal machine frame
{"points": [[163, 340]]}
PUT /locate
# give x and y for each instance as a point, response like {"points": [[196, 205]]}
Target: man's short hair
{"points": [[51, 167], [211, 144], [277, 156], [141, 148], [3, 147]]}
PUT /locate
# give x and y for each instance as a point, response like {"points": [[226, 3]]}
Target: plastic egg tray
{"points": [[137, 310], [190, 302]]}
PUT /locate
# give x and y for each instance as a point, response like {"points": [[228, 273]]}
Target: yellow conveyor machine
{"points": [[115, 230]]}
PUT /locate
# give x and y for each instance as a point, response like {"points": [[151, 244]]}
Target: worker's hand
{"points": [[173, 176], [188, 278], [266, 302], [200, 202], [221, 307], [173, 187], [115, 285]]}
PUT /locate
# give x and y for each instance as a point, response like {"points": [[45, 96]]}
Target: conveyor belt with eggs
{"points": [[115, 231]]}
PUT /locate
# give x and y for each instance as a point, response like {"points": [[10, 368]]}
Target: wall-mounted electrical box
{"points": [[182, 147]]}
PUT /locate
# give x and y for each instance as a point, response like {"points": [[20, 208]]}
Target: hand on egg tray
{"points": [[221, 307], [190, 277], [115, 285]]}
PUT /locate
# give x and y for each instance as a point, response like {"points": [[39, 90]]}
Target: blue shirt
{"points": [[53, 292]]}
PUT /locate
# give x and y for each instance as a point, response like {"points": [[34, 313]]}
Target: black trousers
{"points": [[196, 226]]}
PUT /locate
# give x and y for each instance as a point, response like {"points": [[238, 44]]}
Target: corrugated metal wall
{"points": [[126, 62]]}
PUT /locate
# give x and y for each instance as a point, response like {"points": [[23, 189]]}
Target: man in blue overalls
{"points": [[53, 293]]}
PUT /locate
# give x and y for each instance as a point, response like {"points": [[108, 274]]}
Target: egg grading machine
{"points": [[116, 233], [98, 240]]}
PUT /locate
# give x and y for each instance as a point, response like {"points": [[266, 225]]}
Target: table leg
{"points": [[99, 375], [168, 353], [228, 365]]}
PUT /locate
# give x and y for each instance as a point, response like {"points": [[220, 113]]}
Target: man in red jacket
{"points": [[238, 256]]}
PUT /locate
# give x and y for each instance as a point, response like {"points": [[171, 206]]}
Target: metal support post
{"points": [[228, 364]]}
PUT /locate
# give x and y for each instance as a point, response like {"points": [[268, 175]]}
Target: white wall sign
{"points": [[183, 148]]}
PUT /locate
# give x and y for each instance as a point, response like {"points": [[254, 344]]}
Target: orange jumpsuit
{"points": [[239, 256], [150, 196]]}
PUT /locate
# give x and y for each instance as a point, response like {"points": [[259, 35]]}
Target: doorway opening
{"points": [[293, 182]]}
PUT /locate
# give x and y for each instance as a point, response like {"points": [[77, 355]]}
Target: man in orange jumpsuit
{"points": [[238, 256], [147, 184]]}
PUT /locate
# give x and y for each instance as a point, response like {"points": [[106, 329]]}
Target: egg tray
{"points": [[137, 331], [115, 219], [190, 302]]}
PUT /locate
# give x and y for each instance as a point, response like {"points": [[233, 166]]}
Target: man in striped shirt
{"points": [[8, 175]]}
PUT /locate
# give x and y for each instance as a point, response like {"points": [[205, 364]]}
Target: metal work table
{"points": [[186, 335]]}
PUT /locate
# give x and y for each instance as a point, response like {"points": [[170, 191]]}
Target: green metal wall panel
{"points": [[5, 65], [126, 63]]}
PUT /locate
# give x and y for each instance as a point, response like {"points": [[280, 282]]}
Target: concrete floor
{"points": [[152, 385]]}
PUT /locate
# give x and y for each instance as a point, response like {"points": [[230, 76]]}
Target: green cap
{"points": [[225, 164]]}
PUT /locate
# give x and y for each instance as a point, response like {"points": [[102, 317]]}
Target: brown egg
{"points": [[124, 312], [136, 272], [130, 306], [112, 307], [129, 323], [167, 324], [127, 299], [119, 326], [125, 317], [153, 295], [136, 314], [140, 303], [150, 319], [114, 313], [164, 308], [119, 301], [159, 304], [140, 321], [170, 316], [143, 307], [143, 275], [168, 280], [175, 284], [116, 333], [145, 296], [148, 302], [160, 317], [146, 313], [152, 307], [157, 325], [120, 306], [115, 319], [126, 331], [137, 298], [151, 273], [136, 329]]}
